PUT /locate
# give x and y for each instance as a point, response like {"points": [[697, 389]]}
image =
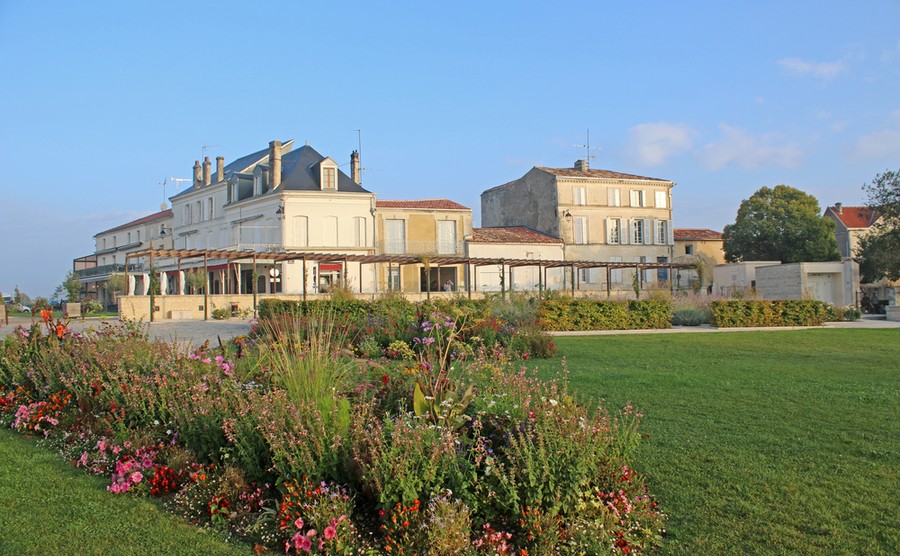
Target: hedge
{"points": [[589, 314], [735, 313]]}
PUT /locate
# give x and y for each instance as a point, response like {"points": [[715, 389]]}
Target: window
{"points": [[615, 274], [359, 231], [129, 237], [580, 196], [209, 209], [613, 197], [662, 232], [581, 230], [661, 199], [637, 198], [138, 236], [688, 249], [446, 231], [613, 230], [393, 278], [200, 211], [300, 237], [637, 231], [662, 274], [586, 275], [329, 177], [187, 214], [114, 241], [394, 236]]}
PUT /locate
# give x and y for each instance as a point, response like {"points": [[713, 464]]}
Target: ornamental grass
{"points": [[290, 443]]}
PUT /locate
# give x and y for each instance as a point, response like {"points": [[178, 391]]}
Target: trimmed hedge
{"points": [[735, 313], [569, 314]]}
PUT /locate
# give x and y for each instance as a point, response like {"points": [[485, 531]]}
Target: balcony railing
{"points": [[108, 269]]}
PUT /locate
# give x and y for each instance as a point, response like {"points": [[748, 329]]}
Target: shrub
{"points": [[753, 312], [590, 314], [688, 317]]}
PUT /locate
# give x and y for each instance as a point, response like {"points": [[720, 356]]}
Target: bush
{"points": [[688, 317], [752, 312], [590, 314]]}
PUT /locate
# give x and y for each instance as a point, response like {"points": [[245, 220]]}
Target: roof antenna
{"points": [[587, 149], [204, 149]]}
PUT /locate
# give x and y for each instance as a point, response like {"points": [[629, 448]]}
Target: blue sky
{"points": [[101, 101]]}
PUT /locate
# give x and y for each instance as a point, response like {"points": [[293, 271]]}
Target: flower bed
{"points": [[290, 443]]}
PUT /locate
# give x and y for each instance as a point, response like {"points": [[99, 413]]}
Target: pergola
{"points": [[437, 261]]}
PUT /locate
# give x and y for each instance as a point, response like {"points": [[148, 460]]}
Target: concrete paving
{"points": [[195, 332], [182, 332]]}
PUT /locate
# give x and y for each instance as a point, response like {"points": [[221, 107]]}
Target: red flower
{"points": [[384, 379]]}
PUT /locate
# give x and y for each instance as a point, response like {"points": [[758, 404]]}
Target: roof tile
{"points": [[432, 204], [855, 217], [697, 234], [511, 234]]}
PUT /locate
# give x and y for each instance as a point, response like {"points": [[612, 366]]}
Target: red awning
{"points": [[330, 266]]}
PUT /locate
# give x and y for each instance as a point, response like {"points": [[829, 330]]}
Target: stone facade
{"points": [[600, 215]]}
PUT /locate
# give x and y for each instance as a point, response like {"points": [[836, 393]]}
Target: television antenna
{"points": [[588, 148], [204, 149]]}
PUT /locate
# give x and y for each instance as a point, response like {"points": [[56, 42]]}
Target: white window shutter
{"points": [[608, 230], [625, 232], [648, 232], [655, 232], [671, 234], [612, 197]]}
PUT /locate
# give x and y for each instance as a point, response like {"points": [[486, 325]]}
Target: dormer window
{"points": [[328, 174]]}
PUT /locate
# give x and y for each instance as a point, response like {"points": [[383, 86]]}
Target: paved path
{"points": [[187, 332], [195, 332]]}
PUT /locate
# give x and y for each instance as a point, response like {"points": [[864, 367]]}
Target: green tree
{"points": [[780, 224], [72, 285], [879, 250]]}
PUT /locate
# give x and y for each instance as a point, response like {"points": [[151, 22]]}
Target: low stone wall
{"points": [[892, 312]]}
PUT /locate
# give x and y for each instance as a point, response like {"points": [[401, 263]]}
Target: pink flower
{"points": [[101, 445], [83, 460], [330, 532], [116, 449], [136, 477], [298, 523], [147, 463], [302, 542]]}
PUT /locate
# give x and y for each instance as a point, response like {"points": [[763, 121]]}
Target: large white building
{"points": [[278, 199]]}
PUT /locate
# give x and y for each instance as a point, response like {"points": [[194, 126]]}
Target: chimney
{"points": [[207, 166], [220, 168], [838, 207], [275, 164], [197, 178], [581, 165], [354, 166]]}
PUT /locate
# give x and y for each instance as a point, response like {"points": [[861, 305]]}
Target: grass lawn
{"points": [[49, 507], [760, 442]]}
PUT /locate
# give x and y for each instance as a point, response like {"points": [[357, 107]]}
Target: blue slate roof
{"points": [[299, 170]]}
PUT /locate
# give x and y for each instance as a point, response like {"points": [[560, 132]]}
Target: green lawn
{"points": [[760, 442], [49, 507]]}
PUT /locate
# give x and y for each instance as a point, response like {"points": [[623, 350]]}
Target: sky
{"points": [[103, 102]]}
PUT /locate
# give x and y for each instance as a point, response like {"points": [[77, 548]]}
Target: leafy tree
{"points": [[72, 285], [780, 224], [879, 250]]}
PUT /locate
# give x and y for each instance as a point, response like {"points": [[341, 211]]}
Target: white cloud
{"points": [[884, 143], [891, 55], [880, 144], [749, 152], [653, 144], [824, 70]]}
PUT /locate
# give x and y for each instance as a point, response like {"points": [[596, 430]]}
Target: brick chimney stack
{"points": [[275, 163], [354, 166], [838, 208], [197, 174], [207, 168], [581, 165], [220, 168]]}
